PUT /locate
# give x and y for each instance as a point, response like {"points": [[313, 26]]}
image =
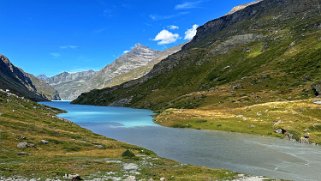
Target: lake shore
{"points": [[38, 145], [293, 120]]}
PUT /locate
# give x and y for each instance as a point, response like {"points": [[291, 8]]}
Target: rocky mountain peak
{"points": [[6, 62], [138, 45], [43, 77], [242, 6]]}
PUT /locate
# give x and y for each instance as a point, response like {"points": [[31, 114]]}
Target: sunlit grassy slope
{"points": [[74, 150]]}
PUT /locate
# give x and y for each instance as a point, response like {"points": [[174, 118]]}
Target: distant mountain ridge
{"points": [[70, 85], [131, 65], [23, 84]]}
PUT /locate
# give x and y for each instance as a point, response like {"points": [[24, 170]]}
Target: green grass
{"points": [[297, 117], [73, 150]]}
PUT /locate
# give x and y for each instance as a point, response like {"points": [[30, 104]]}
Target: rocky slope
{"points": [[139, 56], [267, 51], [24, 84], [132, 65], [70, 85]]}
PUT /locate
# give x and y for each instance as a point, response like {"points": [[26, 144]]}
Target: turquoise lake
{"points": [[254, 155]]}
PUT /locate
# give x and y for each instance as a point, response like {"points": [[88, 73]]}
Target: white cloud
{"points": [[188, 5], [173, 27], [55, 54], [166, 37], [126, 51], [190, 33], [69, 47]]}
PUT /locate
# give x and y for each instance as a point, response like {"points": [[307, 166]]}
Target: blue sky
{"points": [[52, 36]]}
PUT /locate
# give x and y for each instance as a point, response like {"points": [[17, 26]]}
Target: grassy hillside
{"points": [[267, 52], [266, 48], [56, 147]]}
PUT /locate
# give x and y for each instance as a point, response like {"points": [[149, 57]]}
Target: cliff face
{"points": [[271, 46], [24, 84]]}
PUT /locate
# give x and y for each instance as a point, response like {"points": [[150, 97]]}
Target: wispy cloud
{"points": [[156, 17], [188, 5], [69, 47], [55, 54], [173, 27], [165, 37]]}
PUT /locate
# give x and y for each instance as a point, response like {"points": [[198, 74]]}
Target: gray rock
{"points": [[99, 146], [130, 166], [22, 145], [278, 131], [130, 178], [44, 142]]}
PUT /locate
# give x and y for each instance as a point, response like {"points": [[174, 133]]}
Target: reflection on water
{"points": [[238, 152]]}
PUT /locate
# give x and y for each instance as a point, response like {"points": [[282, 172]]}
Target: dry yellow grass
{"points": [[298, 117]]}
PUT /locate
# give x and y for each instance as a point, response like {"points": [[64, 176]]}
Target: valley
{"points": [[237, 98], [233, 71], [37, 144]]}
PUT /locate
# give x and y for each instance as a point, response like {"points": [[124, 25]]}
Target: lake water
{"points": [[255, 155]]}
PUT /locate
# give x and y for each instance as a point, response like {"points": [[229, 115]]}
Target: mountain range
{"points": [[265, 51], [17, 81], [131, 65]]}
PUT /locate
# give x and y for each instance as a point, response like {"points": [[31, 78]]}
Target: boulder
{"points": [[99, 146], [130, 178], [22, 145], [130, 166], [44, 142]]}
